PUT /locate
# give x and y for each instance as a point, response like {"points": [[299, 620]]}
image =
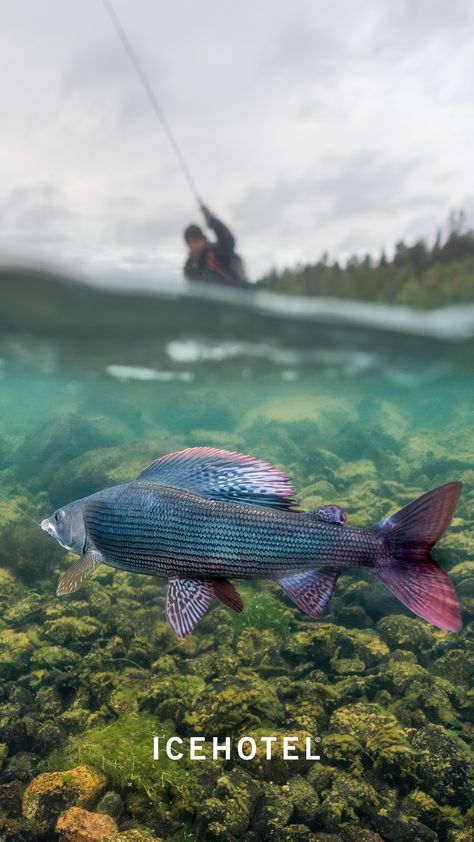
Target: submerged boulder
{"points": [[204, 409], [79, 825], [231, 807], [48, 795], [445, 767]]}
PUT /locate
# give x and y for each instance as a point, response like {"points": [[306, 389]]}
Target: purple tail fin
{"points": [[407, 567]]}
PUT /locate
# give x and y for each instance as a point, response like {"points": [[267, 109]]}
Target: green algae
{"points": [[123, 750], [91, 678]]}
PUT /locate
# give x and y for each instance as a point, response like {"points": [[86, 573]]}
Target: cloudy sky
{"points": [[309, 127]]}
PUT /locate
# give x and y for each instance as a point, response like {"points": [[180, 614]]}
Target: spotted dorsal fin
{"points": [[223, 475]]}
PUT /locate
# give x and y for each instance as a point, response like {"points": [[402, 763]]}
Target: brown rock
{"points": [[79, 825], [50, 794]]}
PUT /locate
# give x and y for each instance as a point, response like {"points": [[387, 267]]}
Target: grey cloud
{"points": [[37, 212], [423, 19], [363, 185]]}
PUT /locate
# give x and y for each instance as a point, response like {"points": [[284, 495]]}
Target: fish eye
{"points": [[59, 515]]}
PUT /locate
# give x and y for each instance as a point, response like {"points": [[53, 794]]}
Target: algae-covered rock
{"points": [[305, 799], [381, 741], [111, 803], [277, 767], [15, 652], [445, 767], [273, 812], [344, 801], [48, 795], [231, 807], [62, 438], [133, 835], [232, 702], [204, 409], [406, 632], [79, 825]]}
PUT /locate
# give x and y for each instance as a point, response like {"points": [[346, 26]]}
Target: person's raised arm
{"points": [[225, 238]]}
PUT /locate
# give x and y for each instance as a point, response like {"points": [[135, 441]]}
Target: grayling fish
{"points": [[202, 516]]}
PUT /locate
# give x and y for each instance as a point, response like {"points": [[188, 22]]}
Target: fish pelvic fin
{"points": [[311, 590], [187, 601], [406, 565], [76, 575]]}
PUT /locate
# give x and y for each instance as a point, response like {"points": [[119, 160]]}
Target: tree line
{"points": [[419, 275]]}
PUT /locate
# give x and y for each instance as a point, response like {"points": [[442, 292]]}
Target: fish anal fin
{"points": [[76, 575], [311, 590]]}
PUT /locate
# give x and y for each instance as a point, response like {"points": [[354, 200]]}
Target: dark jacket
{"points": [[218, 263]]}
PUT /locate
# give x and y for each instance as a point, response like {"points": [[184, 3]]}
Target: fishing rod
{"points": [[19, 509], [152, 98]]}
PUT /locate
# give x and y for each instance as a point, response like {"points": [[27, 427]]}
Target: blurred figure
{"points": [[213, 262]]}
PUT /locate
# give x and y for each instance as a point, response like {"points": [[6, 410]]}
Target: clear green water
{"points": [[368, 423]]}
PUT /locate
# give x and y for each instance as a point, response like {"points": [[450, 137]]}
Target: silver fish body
{"points": [[165, 531], [203, 516]]}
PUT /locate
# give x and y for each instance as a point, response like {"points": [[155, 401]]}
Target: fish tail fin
{"points": [[406, 566]]}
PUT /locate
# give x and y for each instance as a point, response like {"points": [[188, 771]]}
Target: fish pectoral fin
{"points": [[310, 591], [187, 600], [78, 573]]}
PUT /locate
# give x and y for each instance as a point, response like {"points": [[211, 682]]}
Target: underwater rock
{"points": [[133, 835], [231, 807], [277, 769], [402, 632], [297, 833], [304, 798], [48, 795], [234, 701], [273, 812], [73, 630], [10, 798], [199, 409], [12, 590], [22, 766], [445, 767], [344, 799], [16, 649], [360, 834], [381, 741], [111, 804], [61, 439], [79, 825]]}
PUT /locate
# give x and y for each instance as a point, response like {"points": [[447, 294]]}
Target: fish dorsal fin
{"points": [[223, 475], [310, 591], [78, 573], [187, 600]]}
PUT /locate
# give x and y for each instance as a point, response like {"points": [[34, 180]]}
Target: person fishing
{"points": [[213, 262]]}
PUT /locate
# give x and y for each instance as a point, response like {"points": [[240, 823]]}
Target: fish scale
{"points": [[165, 531]]}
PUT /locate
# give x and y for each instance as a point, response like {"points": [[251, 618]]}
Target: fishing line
{"points": [[150, 93], [22, 512]]}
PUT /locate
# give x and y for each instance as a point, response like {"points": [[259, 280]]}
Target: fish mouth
{"points": [[48, 527]]}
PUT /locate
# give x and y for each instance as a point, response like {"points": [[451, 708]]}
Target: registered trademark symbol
{"points": [[317, 739]]}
